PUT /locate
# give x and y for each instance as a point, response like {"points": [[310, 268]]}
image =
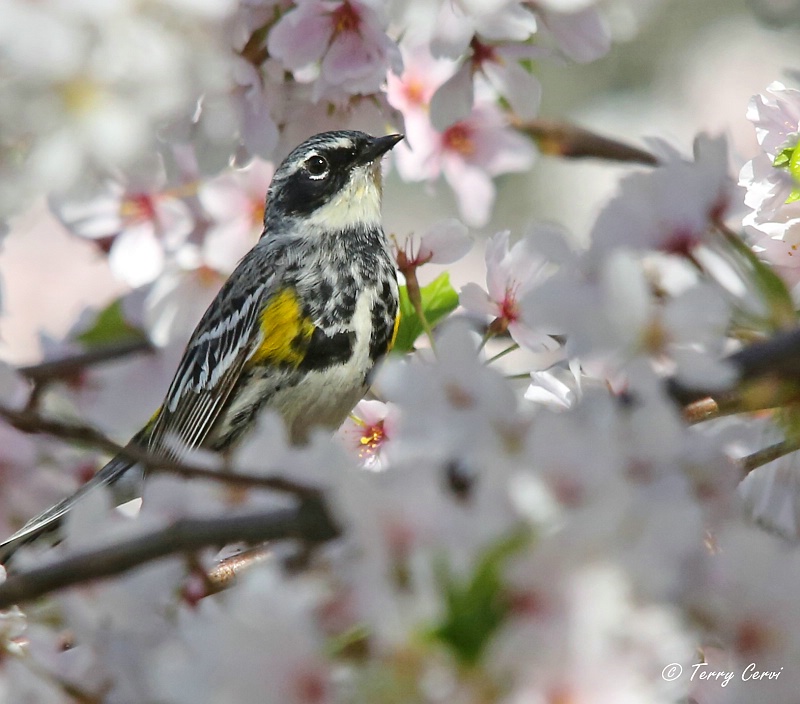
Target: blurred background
{"points": [[676, 68]]}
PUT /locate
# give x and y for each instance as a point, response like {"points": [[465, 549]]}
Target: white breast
{"points": [[325, 397]]}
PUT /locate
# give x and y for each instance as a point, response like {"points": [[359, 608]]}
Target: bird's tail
{"points": [[121, 474]]}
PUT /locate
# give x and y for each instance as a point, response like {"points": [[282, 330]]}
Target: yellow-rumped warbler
{"points": [[298, 326]]}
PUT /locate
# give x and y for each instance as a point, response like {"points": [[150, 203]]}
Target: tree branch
{"points": [[768, 454], [573, 142], [223, 574], [310, 523], [29, 421], [68, 366]]}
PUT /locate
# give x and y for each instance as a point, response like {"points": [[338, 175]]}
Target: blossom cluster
{"points": [[527, 511], [772, 178]]}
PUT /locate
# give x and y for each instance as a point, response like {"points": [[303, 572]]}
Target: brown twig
{"points": [[68, 366], [573, 142], [224, 573], [768, 454], [29, 421], [45, 373], [310, 523]]}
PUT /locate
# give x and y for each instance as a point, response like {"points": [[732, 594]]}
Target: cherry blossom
{"points": [[510, 273], [443, 243], [367, 431], [139, 228], [89, 98], [340, 46], [468, 154], [772, 185], [235, 202], [500, 66], [577, 28], [670, 208], [282, 644]]}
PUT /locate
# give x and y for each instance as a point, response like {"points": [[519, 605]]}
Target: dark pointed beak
{"points": [[378, 146]]}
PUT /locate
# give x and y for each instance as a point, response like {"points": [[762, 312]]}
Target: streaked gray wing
{"points": [[206, 376]]}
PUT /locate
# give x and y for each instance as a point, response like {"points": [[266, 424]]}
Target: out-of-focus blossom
{"points": [[510, 274], [670, 208], [557, 389], [500, 66], [468, 154], [494, 21], [611, 314], [577, 28], [751, 620], [602, 643], [228, 648], [138, 228], [455, 409], [340, 46], [89, 98], [181, 295], [235, 202]]}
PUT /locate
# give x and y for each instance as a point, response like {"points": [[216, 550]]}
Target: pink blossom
{"points": [[468, 154], [776, 117], [411, 91], [459, 22], [499, 66], [670, 208], [576, 27], [443, 243], [137, 227], [340, 46], [510, 274], [235, 201], [367, 431]]}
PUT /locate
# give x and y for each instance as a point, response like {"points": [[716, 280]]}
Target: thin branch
{"points": [[701, 410], [502, 353], [768, 454], [68, 366], [310, 522], [31, 422], [573, 142], [224, 573]]}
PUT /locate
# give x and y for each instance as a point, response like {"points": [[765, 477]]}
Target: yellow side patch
{"points": [[285, 332], [150, 423], [394, 333]]}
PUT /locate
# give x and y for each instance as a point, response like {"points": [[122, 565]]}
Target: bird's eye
{"points": [[316, 166]]}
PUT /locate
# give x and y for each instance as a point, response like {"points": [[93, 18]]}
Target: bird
{"points": [[298, 327]]}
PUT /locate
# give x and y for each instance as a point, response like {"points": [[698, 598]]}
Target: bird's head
{"points": [[331, 181]]}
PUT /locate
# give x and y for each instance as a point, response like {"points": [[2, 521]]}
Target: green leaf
{"points": [[789, 158], [769, 284], [477, 606], [783, 158], [110, 327], [794, 170], [794, 163], [439, 299]]}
